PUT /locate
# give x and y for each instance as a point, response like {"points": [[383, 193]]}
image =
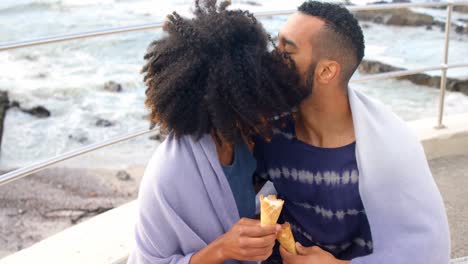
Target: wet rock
{"points": [[15, 104], [157, 137], [378, 3], [78, 138], [461, 9], [112, 86], [41, 75], [37, 111], [373, 67], [123, 175], [366, 26], [396, 17], [461, 29], [4, 105], [252, 3], [31, 57], [104, 123]]}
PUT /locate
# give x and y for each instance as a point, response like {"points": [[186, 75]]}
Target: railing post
{"points": [[443, 79]]}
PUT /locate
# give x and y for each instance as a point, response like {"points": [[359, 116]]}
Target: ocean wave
{"points": [[28, 6], [11, 7]]}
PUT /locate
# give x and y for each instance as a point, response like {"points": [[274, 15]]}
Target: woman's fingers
{"points": [[256, 230], [258, 242]]}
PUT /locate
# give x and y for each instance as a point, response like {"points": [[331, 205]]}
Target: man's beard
{"points": [[309, 77]]}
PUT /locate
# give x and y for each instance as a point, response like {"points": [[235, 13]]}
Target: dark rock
{"points": [[458, 85], [14, 104], [252, 3], [112, 86], [79, 138], [31, 57], [461, 29], [104, 123], [366, 26], [4, 105], [157, 137], [461, 9], [373, 67], [378, 3], [378, 20], [429, 27], [439, 24], [37, 111], [41, 75], [401, 1], [123, 175], [423, 79], [397, 17]]}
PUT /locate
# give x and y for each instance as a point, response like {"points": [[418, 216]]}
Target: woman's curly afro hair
{"points": [[214, 73]]}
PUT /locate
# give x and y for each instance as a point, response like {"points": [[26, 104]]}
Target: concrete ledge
{"points": [[104, 239], [452, 140], [108, 238], [463, 260]]}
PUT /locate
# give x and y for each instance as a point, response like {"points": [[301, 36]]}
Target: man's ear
{"points": [[327, 71]]}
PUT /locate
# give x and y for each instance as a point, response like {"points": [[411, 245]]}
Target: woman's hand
{"points": [[248, 241], [309, 255], [245, 241]]}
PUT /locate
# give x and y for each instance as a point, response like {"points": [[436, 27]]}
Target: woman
{"points": [[212, 84]]}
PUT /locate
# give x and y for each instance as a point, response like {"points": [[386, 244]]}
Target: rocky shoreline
{"points": [[406, 17]]}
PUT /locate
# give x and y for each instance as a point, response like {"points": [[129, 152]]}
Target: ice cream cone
{"points": [[286, 238], [270, 209]]}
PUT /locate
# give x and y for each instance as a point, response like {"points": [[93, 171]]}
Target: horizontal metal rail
{"points": [[25, 171], [157, 25], [28, 170], [395, 74]]}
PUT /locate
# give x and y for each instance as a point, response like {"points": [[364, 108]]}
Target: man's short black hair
{"points": [[214, 72], [342, 37]]}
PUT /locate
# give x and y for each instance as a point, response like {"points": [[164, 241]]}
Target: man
{"points": [[355, 180]]}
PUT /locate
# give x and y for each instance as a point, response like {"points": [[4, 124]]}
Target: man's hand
{"points": [[309, 255], [248, 241]]}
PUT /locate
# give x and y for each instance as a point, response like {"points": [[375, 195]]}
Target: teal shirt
{"points": [[239, 176]]}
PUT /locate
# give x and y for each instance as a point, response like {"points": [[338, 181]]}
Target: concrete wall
{"points": [[452, 140]]}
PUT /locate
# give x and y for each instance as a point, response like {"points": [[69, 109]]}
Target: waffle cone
{"points": [[286, 238], [270, 212]]}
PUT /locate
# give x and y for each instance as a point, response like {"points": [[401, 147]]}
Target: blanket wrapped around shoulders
{"points": [[404, 207], [185, 202]]}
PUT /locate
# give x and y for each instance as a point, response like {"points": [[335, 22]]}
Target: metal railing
{"points": [[157, 25], [28, 170]]}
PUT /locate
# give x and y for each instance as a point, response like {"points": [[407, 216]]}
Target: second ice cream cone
{"points": [[286, 238]]}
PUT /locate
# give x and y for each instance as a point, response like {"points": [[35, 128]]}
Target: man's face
{"points": [[295, 39]]}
